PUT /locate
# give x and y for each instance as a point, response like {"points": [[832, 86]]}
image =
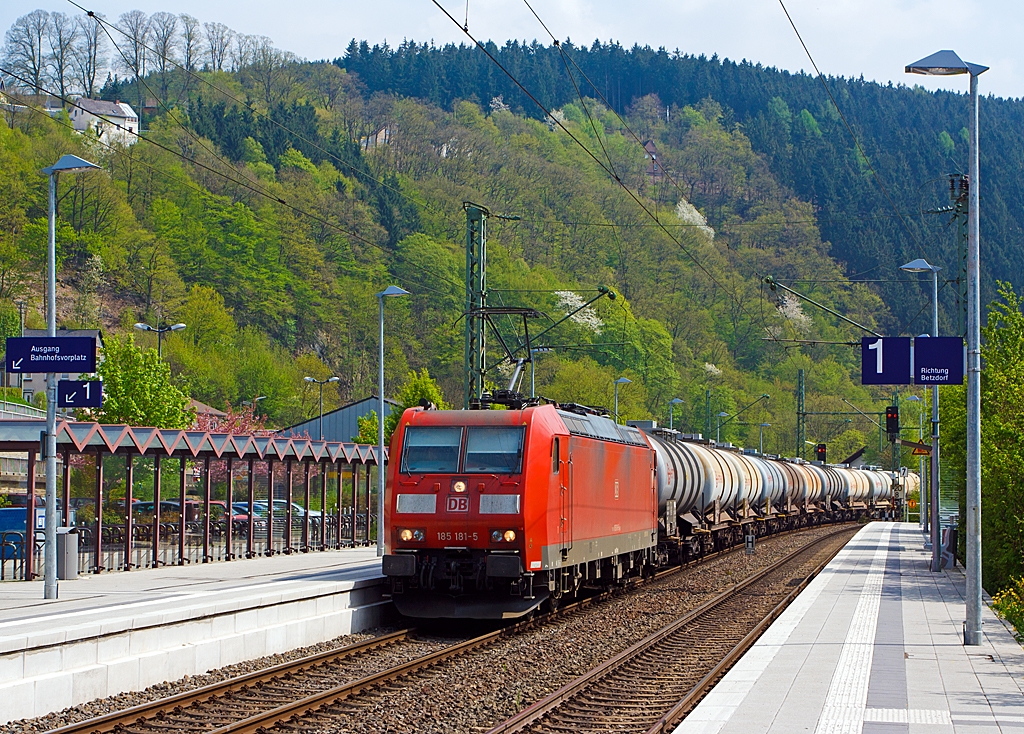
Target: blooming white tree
{"points": [[688, 214], [586, 317], [790, 308]]}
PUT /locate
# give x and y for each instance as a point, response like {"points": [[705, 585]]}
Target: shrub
{"points": [[1009, 605]]}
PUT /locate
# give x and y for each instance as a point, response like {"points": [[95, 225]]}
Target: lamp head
{"points": [[920, 265], [69, 163], [177, 327], [334, 379], [143, 327], [393, 290], [623, 381], [675, 401], [913, 398], [944, 63], [309, 379], [723, 414], [765, 425]]}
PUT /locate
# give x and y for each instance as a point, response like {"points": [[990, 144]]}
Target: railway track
{"points": [[231, 699], [652, 685], [301, 694]]}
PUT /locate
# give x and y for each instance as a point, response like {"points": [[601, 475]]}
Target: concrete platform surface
{"points": [[124, 631], [874, 644]]}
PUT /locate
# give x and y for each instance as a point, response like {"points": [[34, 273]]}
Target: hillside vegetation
{"points": [[270, 198], [912, 139]]}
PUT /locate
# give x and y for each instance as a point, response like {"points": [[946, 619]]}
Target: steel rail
{"points": [[114, 721], [152, 712], [553, 701], [677, 712]]}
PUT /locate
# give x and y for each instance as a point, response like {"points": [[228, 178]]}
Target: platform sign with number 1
{"points": [[79, 394], [885, 360]]}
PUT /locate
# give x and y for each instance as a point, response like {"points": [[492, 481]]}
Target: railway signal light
{"points": [[821, 452], [892, 422]]}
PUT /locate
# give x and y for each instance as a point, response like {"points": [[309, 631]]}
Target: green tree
{"points": [[137, 388], [418, 388], [1002, 453]]}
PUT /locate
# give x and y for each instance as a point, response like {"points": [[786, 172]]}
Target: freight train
{"points": [[493, 513]]}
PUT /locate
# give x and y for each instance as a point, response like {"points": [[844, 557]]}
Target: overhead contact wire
{"points": [[590, 154], [268, 118], [849, 127], [242, 183]]}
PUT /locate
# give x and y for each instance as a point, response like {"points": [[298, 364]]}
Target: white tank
{"points": [[695, 475], [772, 479]]}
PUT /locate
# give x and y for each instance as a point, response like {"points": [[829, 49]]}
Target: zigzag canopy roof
{"points": [[83, 438]]}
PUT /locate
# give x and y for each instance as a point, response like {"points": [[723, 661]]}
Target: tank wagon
{"points": [[492, 513]]}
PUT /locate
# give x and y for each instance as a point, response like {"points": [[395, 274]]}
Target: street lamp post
{"points": [[947, 63], [391, 290], [922, 518], [533, 371], [66, 164], [671, 404], [760, 436], [718, 428], [620, 381], [922, 266], [321, 383], [254, 402], [160, 331]]}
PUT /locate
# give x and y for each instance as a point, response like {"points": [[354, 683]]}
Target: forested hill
{"points": [[912, 139], [266, 199]]}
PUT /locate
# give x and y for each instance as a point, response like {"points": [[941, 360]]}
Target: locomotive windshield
{"points": [[494, 450], [432, 449]]}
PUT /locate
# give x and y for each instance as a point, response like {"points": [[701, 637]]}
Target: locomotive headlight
{"points": [[509, 536], [495, 536], [418, 535], [405, 535], [459, 486]]}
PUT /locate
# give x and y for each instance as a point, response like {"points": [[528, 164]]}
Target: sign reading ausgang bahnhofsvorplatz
{"points": [[51, 354]]}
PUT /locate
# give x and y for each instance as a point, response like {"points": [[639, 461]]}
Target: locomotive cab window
{"points": [[555, 456], [494, 450], [433, 449]]}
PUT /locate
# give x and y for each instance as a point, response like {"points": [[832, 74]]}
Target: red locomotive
{"points": [[491, 513]]}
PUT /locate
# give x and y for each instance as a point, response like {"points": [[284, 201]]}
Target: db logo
{"points": [[458, 504]]}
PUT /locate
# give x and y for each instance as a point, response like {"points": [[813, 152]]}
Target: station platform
{"points": [[118, 632], [873, 644]]}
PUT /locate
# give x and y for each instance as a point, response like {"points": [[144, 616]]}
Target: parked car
{"points": [[240, 513]]}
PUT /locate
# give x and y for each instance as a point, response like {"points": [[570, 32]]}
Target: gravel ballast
{"points": [[478, 690]]}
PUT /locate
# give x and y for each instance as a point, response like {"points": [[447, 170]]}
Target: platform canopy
{"points": [[87, 438]]}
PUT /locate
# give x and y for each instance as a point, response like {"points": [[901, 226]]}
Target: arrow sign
{"points": [[51, 354], [79, 394]]}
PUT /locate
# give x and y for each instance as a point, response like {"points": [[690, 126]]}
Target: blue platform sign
{"points": [[79, 393], [885, 360], [939, 360], [51, 354]]}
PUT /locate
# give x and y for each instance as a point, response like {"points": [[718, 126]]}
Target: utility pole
{"points": [[707, 414], [959, 190], [476, 300], [801, 415]]}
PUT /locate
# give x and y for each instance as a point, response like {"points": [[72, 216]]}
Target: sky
{"points": [[873, 38]]}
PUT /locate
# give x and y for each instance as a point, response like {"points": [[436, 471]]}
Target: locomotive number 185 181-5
{"points": [[456, 536]]}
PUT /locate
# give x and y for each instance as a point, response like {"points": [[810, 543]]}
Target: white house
{"points": [[111, 121]]}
